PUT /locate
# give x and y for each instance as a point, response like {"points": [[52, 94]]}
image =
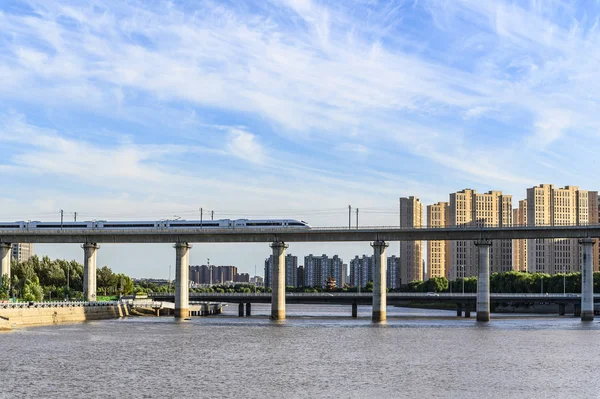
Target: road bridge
{"points": [[279, 239]]}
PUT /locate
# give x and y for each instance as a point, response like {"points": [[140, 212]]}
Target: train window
{"points": [[9, 226], [128, 225]]}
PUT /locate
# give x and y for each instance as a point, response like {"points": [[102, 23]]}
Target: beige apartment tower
{"points": [[22, 252], [438, 215], [411, 252], [467, 208], [520, 246], [549, 206]]}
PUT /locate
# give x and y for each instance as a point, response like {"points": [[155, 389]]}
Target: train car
{"points": [[37, 225], [127, 225], [197, 224], [270, 223], [12, 225]]}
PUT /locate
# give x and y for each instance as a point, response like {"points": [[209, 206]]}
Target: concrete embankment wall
{"points": [[39, 316]]}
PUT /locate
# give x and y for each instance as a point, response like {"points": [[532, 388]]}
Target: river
{"points": [[319, 351]]}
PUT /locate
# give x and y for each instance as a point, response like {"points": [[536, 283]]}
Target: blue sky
{"points": [[297, 108]]}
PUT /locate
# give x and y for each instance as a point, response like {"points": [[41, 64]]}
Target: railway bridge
{"points": [[279, 239]]}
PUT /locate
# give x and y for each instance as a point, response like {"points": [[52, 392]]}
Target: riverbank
{"points": [[48, 314]]}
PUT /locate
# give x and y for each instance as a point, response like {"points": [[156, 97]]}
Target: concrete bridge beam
{"points": [[182, 270], [379, 283], [483, 281], [278, 281], [587, 280], [5, 258], [90, 252]]}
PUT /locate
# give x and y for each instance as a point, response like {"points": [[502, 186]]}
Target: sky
{"points": [[146, 110]]}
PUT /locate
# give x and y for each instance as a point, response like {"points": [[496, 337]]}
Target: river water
{"points": [[415, 354]]}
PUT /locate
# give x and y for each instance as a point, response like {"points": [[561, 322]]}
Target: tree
{"points": [[32, 290], [105, 278], [4, 287]]}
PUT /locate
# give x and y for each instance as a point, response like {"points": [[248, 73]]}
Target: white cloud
{"points": [[245, 145]]}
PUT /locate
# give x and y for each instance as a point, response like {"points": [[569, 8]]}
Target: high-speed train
{"points": [[160, 224]]}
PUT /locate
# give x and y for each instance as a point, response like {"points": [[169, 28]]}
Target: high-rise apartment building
{"points": [[520, 246], [549, 206], [438, 215], [22, 251], [411, 252], [291, 266], [206, 274], [361, 270], [393, 272], [318, 269], [467, 208]]}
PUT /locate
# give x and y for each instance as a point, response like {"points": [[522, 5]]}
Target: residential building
{"points": [[291, 266], [520, 246], [549, 206], [393, 272], [300, 276], [467, 208], [411, 252], [22, 251], [438, 253]]}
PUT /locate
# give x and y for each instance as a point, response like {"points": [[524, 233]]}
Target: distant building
{"points": [[438, 215], [411, 252], [258, 281], [242, 278], [467, 208], [361, 270], [549, 206], [22, 252], [205, 274], [300, 276], [393, 277], [291, 266], [520, 246]]}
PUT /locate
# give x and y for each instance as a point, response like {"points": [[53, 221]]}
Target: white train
{"points": [[161, 224]]}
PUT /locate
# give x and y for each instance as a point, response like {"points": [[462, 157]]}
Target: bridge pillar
{"points": [[90, 251], [248, 309], [483, 281], [459, 309], [5, 257], [182, 271], [379, 283], [278, 281], [576, 310], [587, 280], [467, 311], [241, 309], [355, 310], [561, 309]]}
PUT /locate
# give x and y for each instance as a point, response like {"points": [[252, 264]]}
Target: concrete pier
{"points": [[561, 309], [241, 310], [182, 270], [483, 281], [459, 309], [467, 311], [90, 251], [5, 257], [248, 309], [278, 282], [355, 310], [379, 283], [587, 280]]}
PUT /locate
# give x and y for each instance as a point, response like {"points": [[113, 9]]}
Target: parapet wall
{"points": [[39, 316]]}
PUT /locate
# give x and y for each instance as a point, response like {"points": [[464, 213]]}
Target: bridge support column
{"points": [[379, 283], [248, 309], [587, 280], [278, 281], [90, 251], [561, 309], [483, 281], [182, 271], [355, 310], [5, 257], [459, 309], [241, 309], [576, 310], [467, 311]]}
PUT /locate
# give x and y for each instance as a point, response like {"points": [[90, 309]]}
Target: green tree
{"points": [[105, 278], [4, 287], [32, 290]]}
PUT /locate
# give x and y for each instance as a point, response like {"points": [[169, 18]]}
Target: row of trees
{"points": [[39, 278], [508, 282]]}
